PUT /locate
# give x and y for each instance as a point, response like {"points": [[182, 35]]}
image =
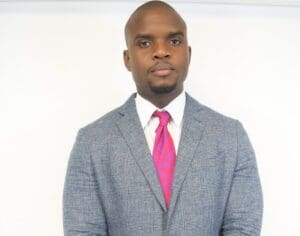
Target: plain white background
{"points": [[61, 68]]}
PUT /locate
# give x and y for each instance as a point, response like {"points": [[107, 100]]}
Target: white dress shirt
{"points": [[149, 123]]}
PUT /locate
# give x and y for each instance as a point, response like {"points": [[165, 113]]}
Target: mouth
{"points": [[162, 69]]}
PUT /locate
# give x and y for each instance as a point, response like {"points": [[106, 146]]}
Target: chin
{"points": [[163, 89]]}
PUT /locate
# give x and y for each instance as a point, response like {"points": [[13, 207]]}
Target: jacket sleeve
{"points": [[243, 214], [83, 214]]}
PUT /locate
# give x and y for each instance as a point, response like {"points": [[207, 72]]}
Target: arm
{"points": [[243, 214], [83, 213]]}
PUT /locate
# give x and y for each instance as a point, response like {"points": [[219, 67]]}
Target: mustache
{"points": [[161, 66]]}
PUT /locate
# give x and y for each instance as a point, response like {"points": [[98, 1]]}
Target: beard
{"points": [[163, 89]]}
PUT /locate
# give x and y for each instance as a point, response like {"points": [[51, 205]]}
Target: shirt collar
{"points": [[175, 108]]}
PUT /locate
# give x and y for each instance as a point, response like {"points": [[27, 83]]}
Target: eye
{"points": [[144, 43], [175, 42]]}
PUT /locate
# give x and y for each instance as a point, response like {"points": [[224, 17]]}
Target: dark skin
{"points": [[158, 54]]}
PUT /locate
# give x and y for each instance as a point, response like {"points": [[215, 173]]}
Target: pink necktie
{"points": [[164, 155]]}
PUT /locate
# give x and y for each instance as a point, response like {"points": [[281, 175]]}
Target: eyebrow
{"points": [[178, 33], [149, 36]]}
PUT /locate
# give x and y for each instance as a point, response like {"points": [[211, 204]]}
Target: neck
{"points": [[161, 100], [161, 103]]}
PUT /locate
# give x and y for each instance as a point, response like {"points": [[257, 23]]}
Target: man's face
{"points": [[158, 54]]}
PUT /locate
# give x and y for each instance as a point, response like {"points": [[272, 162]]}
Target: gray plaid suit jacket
{"points": [[111, 187]]}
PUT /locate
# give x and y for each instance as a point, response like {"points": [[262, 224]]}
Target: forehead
{"points": [[155, 20]]}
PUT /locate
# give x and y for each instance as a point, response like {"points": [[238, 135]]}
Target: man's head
{"points": [[158, 54]]}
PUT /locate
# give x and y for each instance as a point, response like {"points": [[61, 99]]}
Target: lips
{"points": [[161, 69]]}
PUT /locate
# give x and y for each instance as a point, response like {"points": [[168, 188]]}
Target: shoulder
{"points": [[102, 126], [228, 132], [105, 127], [208, 115], [216, 124]]}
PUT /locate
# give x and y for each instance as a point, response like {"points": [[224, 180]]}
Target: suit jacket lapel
{"points": [[192, 130], [133, 133]]}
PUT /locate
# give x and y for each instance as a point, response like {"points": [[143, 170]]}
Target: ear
{"points": [[190, 54], [126, 59]]}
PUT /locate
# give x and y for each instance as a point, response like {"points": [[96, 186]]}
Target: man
{"points": [[161, 164]]}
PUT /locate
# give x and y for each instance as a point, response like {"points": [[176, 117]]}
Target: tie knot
{"points": [[163, 116]]}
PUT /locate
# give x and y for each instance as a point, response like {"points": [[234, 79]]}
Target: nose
{"points": [[161, 51]]}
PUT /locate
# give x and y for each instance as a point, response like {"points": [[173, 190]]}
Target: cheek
{"points": [[183, 63], [182, 57], [186, 59], [140, 64]]}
